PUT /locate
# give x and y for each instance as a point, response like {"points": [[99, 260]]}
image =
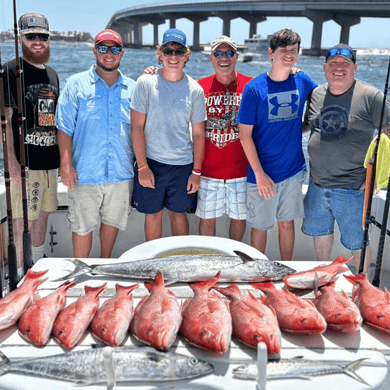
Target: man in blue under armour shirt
{"points": [[270, 119]]}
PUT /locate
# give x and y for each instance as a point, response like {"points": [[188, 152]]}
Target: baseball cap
{"points": [[223, 39], [108, 35], [174, 35], [33, 23], [341, 50]]}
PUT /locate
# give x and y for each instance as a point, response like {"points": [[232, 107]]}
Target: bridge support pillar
{"points": [[346, 21], [172, 23], [318, 18], [137, 30], [226, 25], [196, 33], [253, 20], [155, 31]]}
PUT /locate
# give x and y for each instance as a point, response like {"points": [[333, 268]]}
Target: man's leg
{"points": [[286, 231], [207, 227], [367, 259], [259, 239], [108, 235], [82, 245], [323, 247], [179, 223], [237, 229], [153, 225], [17, 228], [38, 229]]}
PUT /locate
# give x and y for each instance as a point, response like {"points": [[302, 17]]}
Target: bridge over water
{"points": [[347, 13]]}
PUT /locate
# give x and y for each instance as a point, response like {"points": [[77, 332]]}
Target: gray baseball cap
{"points": [[33, 23], [223, 39]]}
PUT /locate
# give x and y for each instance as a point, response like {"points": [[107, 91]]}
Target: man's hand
{"points": [[68, 175], [146, 178], [151, 70], [193, 183], [265, 186]]}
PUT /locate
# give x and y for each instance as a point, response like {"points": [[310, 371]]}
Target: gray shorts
{"points": [[217, 197], [286, 205], [93, 204]]}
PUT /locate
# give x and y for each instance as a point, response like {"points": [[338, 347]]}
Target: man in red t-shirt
{"points": [[225, 166]]}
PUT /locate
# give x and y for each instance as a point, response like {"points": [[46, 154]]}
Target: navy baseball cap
{"points": [[341, 50], [174, 35]]}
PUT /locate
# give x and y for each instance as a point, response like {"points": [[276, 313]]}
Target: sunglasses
{"points": [[33, 37], [171, 52], [342, 51], [104, 49], [228, 54]]}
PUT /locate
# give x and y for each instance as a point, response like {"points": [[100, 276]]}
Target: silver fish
{"points": [[87, 367], [190, 268], [296, 368]]}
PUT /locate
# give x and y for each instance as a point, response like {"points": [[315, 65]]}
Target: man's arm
{"points": [[198, 140], [67, 172], [264, 183], [145, 174]]}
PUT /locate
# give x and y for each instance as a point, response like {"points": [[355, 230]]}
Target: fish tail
{"points": [[80, 268], [342, 260], [129, 289], [229, 291], [356, 279], [35, 275], [263, 286], [206, 284], [350, 368], [4, 361], [95, 290], [158, 281]]}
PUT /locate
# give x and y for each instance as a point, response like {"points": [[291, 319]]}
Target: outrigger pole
{"points": [[9, 265], [370, 183], [27, 257]]}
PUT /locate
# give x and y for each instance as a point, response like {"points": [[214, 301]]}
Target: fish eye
{"points": [[193, 361], [278, 264], [103, 330], [257, 336], [149, 331], [202, 334], [60, 333], [303, 320]]}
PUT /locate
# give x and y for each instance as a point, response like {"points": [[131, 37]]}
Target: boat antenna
{"points": [[27, 258], [9, 272], [370, 185]]}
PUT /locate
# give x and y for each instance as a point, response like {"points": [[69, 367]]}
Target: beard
{"points": [[33, 58], [100, 65]]}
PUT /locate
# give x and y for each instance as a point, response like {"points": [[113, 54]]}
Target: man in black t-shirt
{"points": [[40, 90]]}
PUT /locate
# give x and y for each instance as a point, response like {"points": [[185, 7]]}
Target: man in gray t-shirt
{"points": [[343, 115], [168, 133]]}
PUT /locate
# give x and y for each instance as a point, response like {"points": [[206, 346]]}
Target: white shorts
{"points": [[93, 204], [286, 205], [217, 197]]}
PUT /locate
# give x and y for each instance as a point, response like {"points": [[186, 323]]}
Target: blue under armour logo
{"points": [[292, 104]]}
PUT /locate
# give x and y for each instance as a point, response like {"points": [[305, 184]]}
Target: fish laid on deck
{"points": [[253, 322], [113, 318], [87, 367], [325, 273], [157, 317], [301, 369], [373, 303], [13, 305], [189, 268], [72, 322]]}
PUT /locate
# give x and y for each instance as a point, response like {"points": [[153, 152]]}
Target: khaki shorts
{"points": [[41, 194], [93, 204]]}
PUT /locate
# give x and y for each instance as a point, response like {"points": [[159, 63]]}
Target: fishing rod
{"points": [[370, 185], [27, 256], [10, 272], [382, 238]]}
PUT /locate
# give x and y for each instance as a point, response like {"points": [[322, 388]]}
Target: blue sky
{"points": [[93, 15]]}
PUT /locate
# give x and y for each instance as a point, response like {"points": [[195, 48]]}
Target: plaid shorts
{"points": [[217, 197]]}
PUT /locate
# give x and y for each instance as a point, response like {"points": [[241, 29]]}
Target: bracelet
{"points": [[196, 172], [143, 168]]}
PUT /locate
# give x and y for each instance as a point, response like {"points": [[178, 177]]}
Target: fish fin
{"points": [[206, 284], [356, 279], [316, 284], [342, 260], [158, 281], [80, 268], [273, 311], [228, 291], [243, 256], [129, 289], [37, 283], [343, 294], [35, 275], [350, 368], [387, 295], [3, 359], [251, 296], [95, 290]]}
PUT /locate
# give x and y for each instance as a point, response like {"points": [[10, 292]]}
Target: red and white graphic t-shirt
{"points": [[224, 155]]}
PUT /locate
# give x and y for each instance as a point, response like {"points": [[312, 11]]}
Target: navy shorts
{"points": [[170, 189]]}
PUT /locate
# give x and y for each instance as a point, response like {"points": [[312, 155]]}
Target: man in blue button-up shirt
{"points": [[93, 119]]}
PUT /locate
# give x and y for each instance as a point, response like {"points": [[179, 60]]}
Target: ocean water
{"points": [[70, 59]]}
